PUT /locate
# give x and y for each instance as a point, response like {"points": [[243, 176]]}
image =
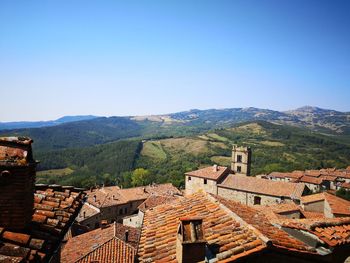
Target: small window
{"points": [[239, 158], [120, 211], [130, 204], [189, 178], [205, 181], [257, 200], [239, 169], [125, 210]]}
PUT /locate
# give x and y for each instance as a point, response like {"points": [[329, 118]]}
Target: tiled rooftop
{"points": [[293, 175], [212, 172], [338, 205], [311, 180], [112, 251], [15, 151], [312, 198], [82, 245], [258, 219], [113, 195], [55, 208], [155, 200], [330, 174], [264, 186], [332, 231], [227, 237]]}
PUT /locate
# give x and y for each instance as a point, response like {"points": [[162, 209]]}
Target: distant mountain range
{"points": [[82, 131], [38, 124], [307, 116]]}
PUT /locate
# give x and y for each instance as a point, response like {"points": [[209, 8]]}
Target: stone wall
{"points": [[194, 184], [314, 207], [248, 198]]}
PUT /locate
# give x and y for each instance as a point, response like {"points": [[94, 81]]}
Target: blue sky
{"points": [[150, 57]]}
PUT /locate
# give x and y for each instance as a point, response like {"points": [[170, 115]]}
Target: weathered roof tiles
{"points": [[55, 209], [230, 238]]}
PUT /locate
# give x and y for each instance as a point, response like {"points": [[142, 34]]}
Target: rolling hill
{"points": [[275, 148], [101, 130]]}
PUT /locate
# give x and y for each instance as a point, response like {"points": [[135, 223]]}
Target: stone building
{"points": [[237, 185], [34, 219], [114, 204]]}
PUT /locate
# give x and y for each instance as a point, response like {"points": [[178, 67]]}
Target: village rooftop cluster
{"points": [[222, 215]]}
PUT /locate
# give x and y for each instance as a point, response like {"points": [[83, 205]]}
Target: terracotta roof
{"points": [[283, 208], [314, 173], [312, 198], [155, 200], [264, 186], [329, 174], [55, 209], [87, 211], [112, 251], [228, 238], [311, 180], [293, 175], [113, 195], [339, 206], [15, 151], [258, 219], [212, 172], [80, 246], [310, 215], [332, 231]]}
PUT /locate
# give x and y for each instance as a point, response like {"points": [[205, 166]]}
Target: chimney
{"points": [[17, 182], [126, 235], [190, 243], [215, 167]]}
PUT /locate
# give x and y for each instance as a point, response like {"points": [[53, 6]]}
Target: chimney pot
{"points": [[190, 243]]}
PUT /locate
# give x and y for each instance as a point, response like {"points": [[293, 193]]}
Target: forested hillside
{"points": [[275, 148], [88, 166]]}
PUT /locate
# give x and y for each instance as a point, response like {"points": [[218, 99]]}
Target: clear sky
{"points": [[64, 57]]}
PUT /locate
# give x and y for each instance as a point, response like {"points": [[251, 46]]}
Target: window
{"points": [[125, 210], [130, 204], [239, 169], [257, 200], [205, 181], [239, 158], [189, 178], [120, 211], [97, 225]]}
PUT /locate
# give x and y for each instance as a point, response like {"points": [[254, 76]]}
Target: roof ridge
{"points": [[99, 246], [264, 238]]}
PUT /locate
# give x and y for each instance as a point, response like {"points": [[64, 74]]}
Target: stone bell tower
{"points": [[241, 160]]}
